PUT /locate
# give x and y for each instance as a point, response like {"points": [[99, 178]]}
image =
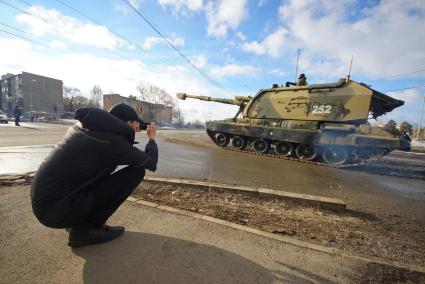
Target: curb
{"points": [[310, 200], [333, 204], [302, 244]]}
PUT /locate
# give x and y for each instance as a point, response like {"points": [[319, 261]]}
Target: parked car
{"points": [[3, 118], [24, 118]]}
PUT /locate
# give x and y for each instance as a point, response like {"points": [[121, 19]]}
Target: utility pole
{"points": [[420, 121]]}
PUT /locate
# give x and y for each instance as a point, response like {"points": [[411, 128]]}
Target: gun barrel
{"points": [[183, 96]]}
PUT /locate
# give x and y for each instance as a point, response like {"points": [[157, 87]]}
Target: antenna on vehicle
{"points": [[349, 72], [296, 68]]}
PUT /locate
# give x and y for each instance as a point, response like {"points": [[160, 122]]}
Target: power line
{"points": [[77, 11], [145, 17], [25, 38], [42, 42], [13, 28], [66, 51], [398, 75], [112, 31], [161, 34], [14, 7], [401, 89], [48, 44], [47, 22], [132, 78]]}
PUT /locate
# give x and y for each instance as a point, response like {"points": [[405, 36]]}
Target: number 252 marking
{"points": [[322, 109]]}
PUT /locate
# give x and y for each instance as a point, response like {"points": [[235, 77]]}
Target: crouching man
{"points": [[76, 187]]}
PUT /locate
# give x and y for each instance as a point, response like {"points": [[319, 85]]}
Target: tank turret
{"points": [[318, 121]]}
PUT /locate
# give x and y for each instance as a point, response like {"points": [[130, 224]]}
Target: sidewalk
{"points": [[158, 247]]}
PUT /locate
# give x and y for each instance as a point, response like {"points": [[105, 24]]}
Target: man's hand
{"points": [[151, 131]]}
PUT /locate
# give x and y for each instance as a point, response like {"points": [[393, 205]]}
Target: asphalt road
{"points": [[392, 191]]}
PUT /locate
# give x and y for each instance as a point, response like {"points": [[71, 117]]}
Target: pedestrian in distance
{"points": [[77, 187], [17, 113]]}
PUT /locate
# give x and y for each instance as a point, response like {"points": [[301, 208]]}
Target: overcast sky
{"points": [[240, 46]]}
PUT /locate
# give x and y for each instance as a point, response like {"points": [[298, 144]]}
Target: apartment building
{"points": [[34, 93]]}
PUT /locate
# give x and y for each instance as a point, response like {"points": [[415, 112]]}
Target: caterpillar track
{"points": [[316, 161]]}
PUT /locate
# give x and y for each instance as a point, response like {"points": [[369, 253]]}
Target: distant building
{"points": [[33, 93], [159, 113]]}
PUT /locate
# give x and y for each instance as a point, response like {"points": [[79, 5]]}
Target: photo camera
{"points": [[143, 125]]}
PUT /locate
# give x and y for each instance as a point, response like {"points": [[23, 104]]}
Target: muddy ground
{"points": [[350, 231]]}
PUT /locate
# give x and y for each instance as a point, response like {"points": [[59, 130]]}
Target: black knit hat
{"points": [[127, 113], [124, 112]]}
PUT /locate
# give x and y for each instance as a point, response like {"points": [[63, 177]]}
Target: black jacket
{"points": [[89, 151], [17, 112]]}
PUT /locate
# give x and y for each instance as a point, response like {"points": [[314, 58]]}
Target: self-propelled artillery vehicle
{"points": [[321, 122]]}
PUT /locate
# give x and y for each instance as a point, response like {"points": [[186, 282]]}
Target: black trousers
{"points": [[110, 192], [94, 205]]}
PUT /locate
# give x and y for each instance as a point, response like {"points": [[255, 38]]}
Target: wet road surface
{"points": [[380, 189]]}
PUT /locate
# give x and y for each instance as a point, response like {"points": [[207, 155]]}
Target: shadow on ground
{"points": [[147, 258]]}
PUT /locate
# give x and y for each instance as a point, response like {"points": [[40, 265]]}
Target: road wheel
{"points": [[260, 146], [222, 139], [306, 152], [238, 142], [335, 155], [283, 149]]}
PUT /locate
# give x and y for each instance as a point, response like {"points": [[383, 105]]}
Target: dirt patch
{"points": [[353, 231], [378, 273]]}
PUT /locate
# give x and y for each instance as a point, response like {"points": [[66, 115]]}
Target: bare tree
{"points": [[159, 98], [155, 95], [132, 98], [177, 115], [95, 96], [198, 122], [71, 104], [73, 99]]}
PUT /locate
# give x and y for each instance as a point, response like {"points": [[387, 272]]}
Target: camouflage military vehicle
{"points": [[321, 122]]}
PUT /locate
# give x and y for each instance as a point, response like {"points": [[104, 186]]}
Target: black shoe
{"points": [[79, 237]]}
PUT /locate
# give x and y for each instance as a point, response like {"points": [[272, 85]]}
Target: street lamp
{"points": [[420, 121], [31, 91]]}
